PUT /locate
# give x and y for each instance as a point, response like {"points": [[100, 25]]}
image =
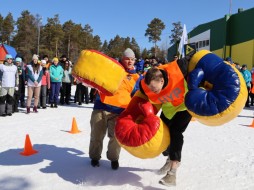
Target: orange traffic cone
{"points": [[74, 128], [28, 149], [252, 125]]}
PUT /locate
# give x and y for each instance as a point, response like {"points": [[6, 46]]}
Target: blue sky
{"points": [[129, 17]]}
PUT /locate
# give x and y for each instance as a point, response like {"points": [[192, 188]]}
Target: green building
{"points": [[231, 36]]}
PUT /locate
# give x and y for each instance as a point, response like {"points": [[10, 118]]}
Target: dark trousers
{"points": [[43, 96], [81, 93], [177, 126], [251, 95], [22, 89], [54, 92], [251, 99], [247, 104], [92, 94], [16, 101], [6, 104], [65, 93]]}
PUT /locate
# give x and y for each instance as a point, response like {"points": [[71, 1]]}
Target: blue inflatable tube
{"points": [[217, 91]]}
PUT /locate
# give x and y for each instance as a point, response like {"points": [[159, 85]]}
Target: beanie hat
{"points": [[228, 59], [55, 59], [43, 62], [45, 56], [18, 59], [129, 53], [8, 56], [63, 56], [35, 57]]}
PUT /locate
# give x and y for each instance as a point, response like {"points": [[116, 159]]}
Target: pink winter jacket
{"points": [[45, 81]]}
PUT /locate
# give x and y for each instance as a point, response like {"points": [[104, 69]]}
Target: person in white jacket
{"points": [[8, 84]]}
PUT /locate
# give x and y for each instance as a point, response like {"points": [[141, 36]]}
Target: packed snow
{"points": [[212, 158]]}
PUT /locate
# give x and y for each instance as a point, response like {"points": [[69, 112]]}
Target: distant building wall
{"points": [[230, 36]]}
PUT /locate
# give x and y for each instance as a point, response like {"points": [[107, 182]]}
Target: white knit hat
{"points": [[43, 62], [129, 53], [35, 57]]}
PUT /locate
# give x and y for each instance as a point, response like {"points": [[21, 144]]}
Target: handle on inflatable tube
{"points": [[226, 95]]}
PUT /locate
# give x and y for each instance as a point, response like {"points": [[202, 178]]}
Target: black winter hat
{"points": [[63, 56]]}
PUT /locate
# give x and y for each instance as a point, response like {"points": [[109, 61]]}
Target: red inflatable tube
{"points": [[140, 131]]}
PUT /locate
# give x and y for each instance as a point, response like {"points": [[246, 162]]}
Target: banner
{"points": [[183, 41]]}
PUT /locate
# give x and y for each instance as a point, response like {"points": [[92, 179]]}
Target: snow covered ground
{"points": [[220, 158]]}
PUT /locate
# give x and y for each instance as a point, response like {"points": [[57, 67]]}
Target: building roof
{"points": [[8, 50]]}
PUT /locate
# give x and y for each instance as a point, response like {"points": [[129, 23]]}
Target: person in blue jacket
{"points": [[247, 77], [56, 75]]}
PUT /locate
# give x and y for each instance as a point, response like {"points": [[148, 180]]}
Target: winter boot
{"points": [[27, 110], [95, 163], [166, 167], [55, 105], [9, 109], [169, 179], [2, 110], [51, 105], [23, 105], [35, 109], [114, 165]]}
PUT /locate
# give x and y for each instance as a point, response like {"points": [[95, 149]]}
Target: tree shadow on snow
{"points": [[71, 165], [14, 183]]}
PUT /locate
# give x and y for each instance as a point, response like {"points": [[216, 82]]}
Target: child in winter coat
{"points": [[45, 85]]}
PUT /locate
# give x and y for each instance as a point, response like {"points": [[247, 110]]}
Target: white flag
{"points": [[183, 41]]}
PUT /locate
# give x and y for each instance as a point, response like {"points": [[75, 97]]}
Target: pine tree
{"points": [[1, 27], [104, 47], [53, 35], [86, 37], [176, 32], [144, 54], [71, 44], [135, 47], [7, 29], [26, 38], [154, 31], [96, 43]]}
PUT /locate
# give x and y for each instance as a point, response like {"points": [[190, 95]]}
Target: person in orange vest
{"points": [[166, 87], [107, 109]]}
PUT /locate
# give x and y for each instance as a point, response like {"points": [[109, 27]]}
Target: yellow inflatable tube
{"points": [[98, 71]]}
